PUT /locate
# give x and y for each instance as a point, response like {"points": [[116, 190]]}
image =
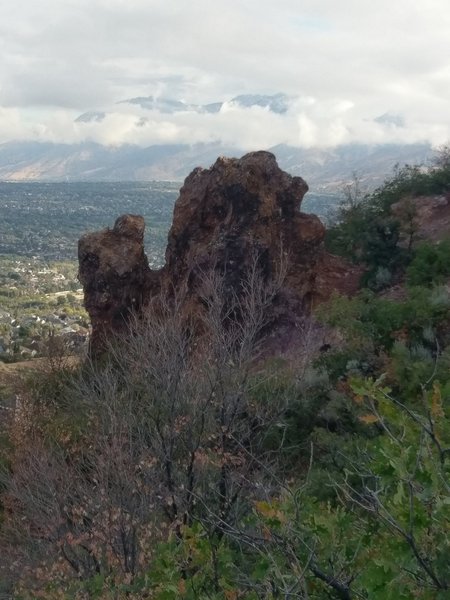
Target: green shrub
{"points": [[431, 264], [411, 180], [366, 232]]}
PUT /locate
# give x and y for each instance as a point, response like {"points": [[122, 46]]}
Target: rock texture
{"points": [[428, 216], [226, 217], [115, 275]]}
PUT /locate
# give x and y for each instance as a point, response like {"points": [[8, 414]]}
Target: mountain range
{"points": [[276, 103], [325, 169]]}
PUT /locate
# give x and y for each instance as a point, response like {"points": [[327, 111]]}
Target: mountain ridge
{"points": [[324, 169]]}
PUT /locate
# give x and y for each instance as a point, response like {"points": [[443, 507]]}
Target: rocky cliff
{"points": [[238, 213]]}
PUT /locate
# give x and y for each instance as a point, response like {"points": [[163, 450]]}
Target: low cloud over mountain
{"points": [[247, 122]]}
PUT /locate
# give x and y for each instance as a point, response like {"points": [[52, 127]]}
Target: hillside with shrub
{"points": [[173, 468]]}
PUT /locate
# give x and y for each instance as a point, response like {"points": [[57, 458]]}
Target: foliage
{"points": [[411, 180], [367, 232], [405, 484], [172, 469], [369, 320], [431, 264]]}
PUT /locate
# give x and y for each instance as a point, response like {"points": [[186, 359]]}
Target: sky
{"points": [[342, 65]]}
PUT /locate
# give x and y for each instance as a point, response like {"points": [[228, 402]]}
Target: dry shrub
{"points": [[166, 431]]}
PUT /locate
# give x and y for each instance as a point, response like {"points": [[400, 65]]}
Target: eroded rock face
{"points": [[238, 208], [226, 217], [115, 275]]}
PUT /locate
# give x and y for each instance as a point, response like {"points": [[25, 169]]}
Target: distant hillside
{"points": [[323, 169]]}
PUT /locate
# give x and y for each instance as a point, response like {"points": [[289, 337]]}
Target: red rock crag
{"points": [[227, 217], [114, 272]]}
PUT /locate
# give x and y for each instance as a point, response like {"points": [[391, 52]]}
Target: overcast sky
{"points": [[342, 64]]}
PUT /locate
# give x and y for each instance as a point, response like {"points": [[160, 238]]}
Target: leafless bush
{"points": [[169, 430], [441, 158]]}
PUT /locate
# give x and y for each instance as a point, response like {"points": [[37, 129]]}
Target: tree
{"points": [[346, 237], [442, 157], [404, 487]]}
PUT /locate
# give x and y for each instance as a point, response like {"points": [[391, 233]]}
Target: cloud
{"points": [[343, 64], [308, 122]]}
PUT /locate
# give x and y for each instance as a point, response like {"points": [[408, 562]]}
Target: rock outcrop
{"points": [[115, 275], [426, 218], [227, 217]]}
